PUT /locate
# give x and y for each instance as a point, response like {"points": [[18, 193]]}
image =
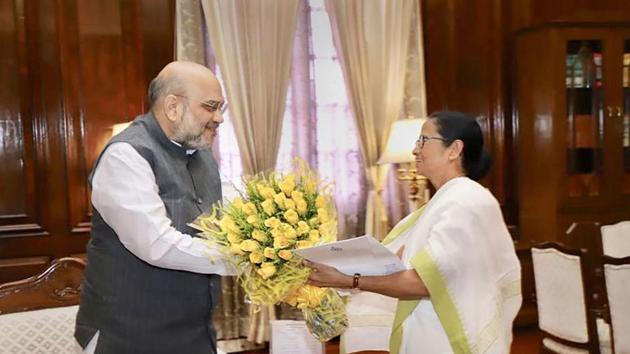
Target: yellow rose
{"points": [[291, 216], [266, 270], [286, 231], [289, 204], [291, 299], [250, 245], [302, 227], [277, 233], [313, 236], [297, 195], [259, 236], [237, 202], [303, 244], [256, 257], [290, 233], [301, 206], [327, 230], [314, 222], [280, 199], [233, 238], [249, 208], [253, 219], [272, 222], [316, 294], [310, 186], [260, 187], [267, 193], [320, 201], [235, 248], [287, 184], [281, 242], [306, 296], [228, 224], [268, 207], [323, 214], [285, 254], [270, 253]]}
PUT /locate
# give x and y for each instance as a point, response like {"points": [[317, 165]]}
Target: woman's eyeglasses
{"points": [[423, 139]]}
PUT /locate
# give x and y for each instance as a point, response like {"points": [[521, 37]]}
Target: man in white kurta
{"points": [[462, 251]]}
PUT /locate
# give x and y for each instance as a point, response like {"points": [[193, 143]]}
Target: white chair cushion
{"points": [[561, 348], [560, 294], [616, 239], [603, 331], [618, 289], [47, 331], [603, 334]]}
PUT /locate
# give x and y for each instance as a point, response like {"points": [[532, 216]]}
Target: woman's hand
{"points": [[327, 277]]}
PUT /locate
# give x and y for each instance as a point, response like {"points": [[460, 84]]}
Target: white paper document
{"points": [[293, 337], [364, 255]]}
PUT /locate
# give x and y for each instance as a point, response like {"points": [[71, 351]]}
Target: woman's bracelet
{"points": [[355, 280]]}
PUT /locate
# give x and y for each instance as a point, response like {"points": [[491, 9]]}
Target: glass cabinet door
{"points": [[585, 117]]}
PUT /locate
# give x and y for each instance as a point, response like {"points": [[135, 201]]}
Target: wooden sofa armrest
{"points": [[58, 285]]}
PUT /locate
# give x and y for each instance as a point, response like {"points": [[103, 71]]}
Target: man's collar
{"points": [[188, 151]]}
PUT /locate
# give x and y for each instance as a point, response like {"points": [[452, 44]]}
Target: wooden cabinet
{"points": [[572, 123]]}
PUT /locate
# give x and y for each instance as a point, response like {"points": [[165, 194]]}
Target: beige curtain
{"points": [[189, 43], [231, 316], [415, 102], [371, 37], [253, 43], [396, 193]]}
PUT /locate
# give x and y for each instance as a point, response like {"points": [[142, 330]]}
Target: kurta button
{"points": [[199, 201]]}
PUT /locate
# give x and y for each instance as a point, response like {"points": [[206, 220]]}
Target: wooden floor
{"points": [[526, 341]]}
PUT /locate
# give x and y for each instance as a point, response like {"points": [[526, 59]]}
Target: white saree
{"points": [[464, 254]]}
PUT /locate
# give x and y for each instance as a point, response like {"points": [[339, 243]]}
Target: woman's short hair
{"points": [[453, 126]]}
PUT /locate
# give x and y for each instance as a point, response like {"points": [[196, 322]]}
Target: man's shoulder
{"points": [[135, 134]]}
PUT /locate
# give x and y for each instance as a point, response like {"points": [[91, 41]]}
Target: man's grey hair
{"points": [[156, 86], [159, 87]]}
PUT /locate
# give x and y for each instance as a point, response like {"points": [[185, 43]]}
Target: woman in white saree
{"points": [[462, 289]]}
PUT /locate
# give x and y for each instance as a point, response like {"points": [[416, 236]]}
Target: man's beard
{"points": [[190, 140], [196, 142]]}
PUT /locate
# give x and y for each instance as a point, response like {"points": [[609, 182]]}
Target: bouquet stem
{"points": [[328, 320]]}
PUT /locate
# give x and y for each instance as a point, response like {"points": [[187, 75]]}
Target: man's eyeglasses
{"points": [[423, 139], [210, 106]]}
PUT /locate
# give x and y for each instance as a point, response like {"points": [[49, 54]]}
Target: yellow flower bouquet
{"points": [[258, 231]]}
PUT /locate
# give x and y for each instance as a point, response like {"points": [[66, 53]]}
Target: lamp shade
{"points": [[119, 127], [401, 141]]}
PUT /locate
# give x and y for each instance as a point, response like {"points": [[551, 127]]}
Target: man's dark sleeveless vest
{"points": [[139, 308]]}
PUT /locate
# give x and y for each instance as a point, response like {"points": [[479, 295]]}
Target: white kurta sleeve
{"points": [[125, 193]]}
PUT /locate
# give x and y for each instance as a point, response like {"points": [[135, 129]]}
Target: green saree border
{"points": [[442, 301]]}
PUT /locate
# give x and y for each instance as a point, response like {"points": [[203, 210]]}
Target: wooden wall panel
{"points": [[94, 69], [10, 119], [18, 207], [21, 268], [465, 48], [70, 70], [532, 13]]}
